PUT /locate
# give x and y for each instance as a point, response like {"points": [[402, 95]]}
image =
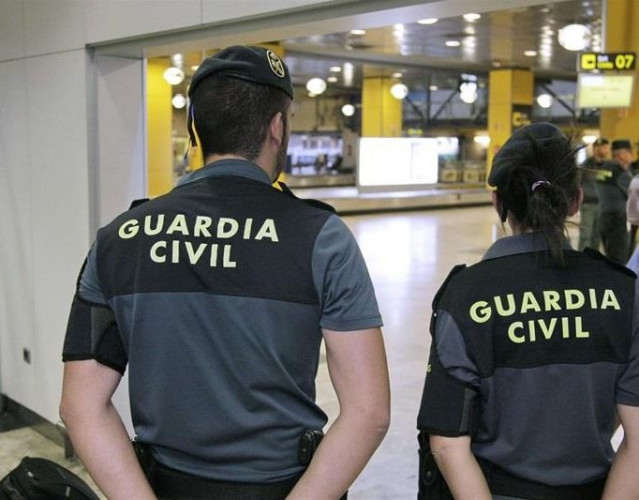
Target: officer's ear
{"points": [[575, 204], [499, 206], [277, 128]]}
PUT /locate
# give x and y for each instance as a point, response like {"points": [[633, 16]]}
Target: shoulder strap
{"points": [[314, 203], [591, 252]]}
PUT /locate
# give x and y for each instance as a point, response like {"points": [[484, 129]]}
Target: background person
{"points": [[589, 212], [216, 297], [534, 349], [613, 180]]}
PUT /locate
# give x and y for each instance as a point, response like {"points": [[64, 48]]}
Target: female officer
{"points": [[533, 350]]}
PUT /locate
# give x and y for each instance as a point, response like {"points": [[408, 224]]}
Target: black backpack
{"points": [[42, 479]]}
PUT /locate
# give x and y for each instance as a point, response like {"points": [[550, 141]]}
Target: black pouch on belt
{"points": [[146, 459]]}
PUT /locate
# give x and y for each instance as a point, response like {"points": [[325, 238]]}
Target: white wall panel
{"points": [[115, 19], [53, 26], [57, 117], [222, 10], [120, 140], [11, 29], [16, 246]]}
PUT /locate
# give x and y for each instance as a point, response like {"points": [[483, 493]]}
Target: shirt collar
{"points": [[519, 243], [223, 168]]}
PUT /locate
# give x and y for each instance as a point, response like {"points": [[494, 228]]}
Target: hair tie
{"points": [[537, 184]]}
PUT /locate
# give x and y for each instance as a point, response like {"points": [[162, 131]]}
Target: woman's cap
{"points": [[249, 63], [522, 147]]}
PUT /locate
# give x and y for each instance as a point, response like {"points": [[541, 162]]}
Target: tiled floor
{"points": [[408, 255]]}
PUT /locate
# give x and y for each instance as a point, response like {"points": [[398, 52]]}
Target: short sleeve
{"points": [[92, 331], [347, 296], [450, 396], [628, 384]]}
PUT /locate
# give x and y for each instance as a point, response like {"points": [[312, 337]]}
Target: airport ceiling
{"points": [[524, 37]]}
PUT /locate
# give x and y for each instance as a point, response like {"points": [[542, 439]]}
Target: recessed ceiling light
{"points": [[471, 17], [452, 43], [358, 32], [530, 53], [430, 20], [396, 75], [433, 88], [331, 79], [335, 69]]}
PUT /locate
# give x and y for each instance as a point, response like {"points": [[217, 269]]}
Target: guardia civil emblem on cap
{"points": [[275, 63]]}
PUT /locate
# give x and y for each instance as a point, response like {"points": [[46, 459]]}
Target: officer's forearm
{"points": [[459, 467], [103, 445], [341, 456], [623, 481], [97, 432]]}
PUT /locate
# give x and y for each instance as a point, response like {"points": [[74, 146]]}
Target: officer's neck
{"points": [[260, 161]]}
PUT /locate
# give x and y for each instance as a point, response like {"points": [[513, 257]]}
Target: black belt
{"points": [[503, 483], [176, 485]]}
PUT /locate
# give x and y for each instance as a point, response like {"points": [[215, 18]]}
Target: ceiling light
{"points": [[177, 60], [178, 101], [173, 75], [331, 79], [574, 37], [471, 17], [530, 53], [335, 69], [483, 140], [399, 91], [452, 43], [348, 110], [316, 86], [396, 75], [358, 32], [433, 88], [194, 68], [468, 96], [544, 100], [430, 20]]}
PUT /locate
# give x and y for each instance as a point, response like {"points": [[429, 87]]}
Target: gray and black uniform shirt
{"points": [[530, 359], [214, 295]]}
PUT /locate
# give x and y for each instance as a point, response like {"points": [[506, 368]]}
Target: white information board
{"points": [[397, 161]]}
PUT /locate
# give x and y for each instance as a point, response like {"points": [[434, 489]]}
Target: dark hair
{"points": [[231, 116], [540, 192]]}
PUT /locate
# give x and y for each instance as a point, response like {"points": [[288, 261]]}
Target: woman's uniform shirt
{"points": [[530, 360]]}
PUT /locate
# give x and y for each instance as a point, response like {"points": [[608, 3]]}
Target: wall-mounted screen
{"points": [[604, 90], [397, 161]]}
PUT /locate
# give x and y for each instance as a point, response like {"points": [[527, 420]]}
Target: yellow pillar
{"points": [[622, 35], [381, 112], [510, 99], [159, 126]]}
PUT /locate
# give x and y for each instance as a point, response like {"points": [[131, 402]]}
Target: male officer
{"points": [[589, 223], [217, 297], [613, 180]]}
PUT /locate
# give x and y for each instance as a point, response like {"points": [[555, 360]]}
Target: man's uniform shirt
{"points": [[214, 296], [529, 359]]}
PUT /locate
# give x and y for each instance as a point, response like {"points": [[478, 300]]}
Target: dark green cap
{"points": [[520, 149], [621, 144], [252, 64]]}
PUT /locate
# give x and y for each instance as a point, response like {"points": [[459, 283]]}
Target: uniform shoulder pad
{"points": [[595, 254], [313, 203], [138, 202], [455, 270]]}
